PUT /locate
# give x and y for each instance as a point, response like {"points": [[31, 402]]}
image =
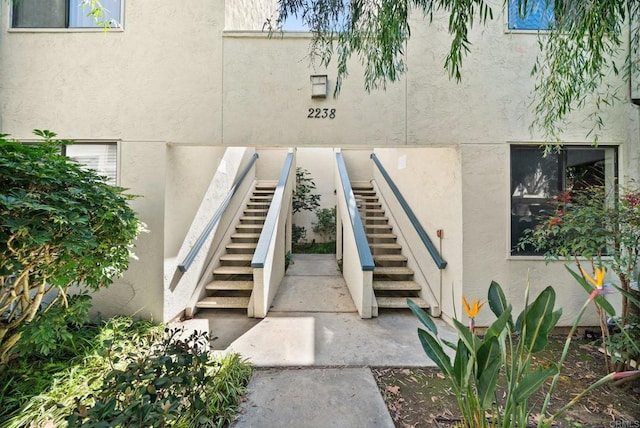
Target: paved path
{"points": [[312, 352]]}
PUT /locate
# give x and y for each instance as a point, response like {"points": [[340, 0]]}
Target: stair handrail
{"points": [[433, 251], [270, 222], [364, 252], [195, 249]]}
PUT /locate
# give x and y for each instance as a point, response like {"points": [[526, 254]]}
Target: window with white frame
{"points": [[64, 14], [537, 16], [100, 157], [536, 179]]}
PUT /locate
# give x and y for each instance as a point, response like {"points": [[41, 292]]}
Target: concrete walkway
{"points": [[312, 352]]}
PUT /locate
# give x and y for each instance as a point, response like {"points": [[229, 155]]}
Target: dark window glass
{"points": [[536, 179], [63, 14]]}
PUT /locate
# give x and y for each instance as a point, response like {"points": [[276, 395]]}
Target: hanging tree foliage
{"points": [[587, 42]]}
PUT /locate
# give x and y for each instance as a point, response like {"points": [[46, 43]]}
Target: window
{"points": [[539, 15], [536, 179], [63, 14], [101, 157]]}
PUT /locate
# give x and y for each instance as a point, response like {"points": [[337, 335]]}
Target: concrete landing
{"points": [[314, 398], [312, 352]]}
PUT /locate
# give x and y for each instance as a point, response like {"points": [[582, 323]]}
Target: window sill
{"points": [[66, 30]]}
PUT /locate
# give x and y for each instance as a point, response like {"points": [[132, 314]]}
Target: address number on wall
{"points": [[322, 113]]}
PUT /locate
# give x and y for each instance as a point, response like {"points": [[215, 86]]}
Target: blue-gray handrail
{"points": [[437, 258], [186, 263], [364, 252], [270, 222]]}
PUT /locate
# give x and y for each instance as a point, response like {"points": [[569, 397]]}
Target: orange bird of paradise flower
{"points": [[472, 311], [597, 281]]}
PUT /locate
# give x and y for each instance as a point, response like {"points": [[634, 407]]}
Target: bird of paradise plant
{"points": [[475, 370]]}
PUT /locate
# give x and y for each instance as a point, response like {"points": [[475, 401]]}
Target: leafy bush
{"points": [[126, 369], [298, 233], [54, 333], [164, 383], [326, 224], [303, 197], [60, 224]]}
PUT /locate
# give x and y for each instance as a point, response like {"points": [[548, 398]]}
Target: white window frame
{"points": [[117, 29]]}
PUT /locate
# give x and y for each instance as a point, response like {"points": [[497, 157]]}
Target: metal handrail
{"points": [[364, 252], [193, 252], [270, 222], [437, 258]]}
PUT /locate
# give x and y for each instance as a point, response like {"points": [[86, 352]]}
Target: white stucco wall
{"points": [[158, 80], [319, 162], [189, 172], [249, 14]]}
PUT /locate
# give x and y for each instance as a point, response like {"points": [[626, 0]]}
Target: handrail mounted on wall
{"points": [[193, 252], [437, 258]]}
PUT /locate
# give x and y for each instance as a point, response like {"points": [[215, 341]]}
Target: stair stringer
{"points": [[427, 292], [214, 254]]}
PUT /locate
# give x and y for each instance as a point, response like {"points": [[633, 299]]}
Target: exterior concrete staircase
{"points": [[232, 281], [393, 280]]}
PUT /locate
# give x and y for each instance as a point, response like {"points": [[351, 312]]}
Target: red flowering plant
{"points": [[597, 228]]}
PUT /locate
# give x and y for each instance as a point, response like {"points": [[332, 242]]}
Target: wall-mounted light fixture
{"points": [[318, 86]]}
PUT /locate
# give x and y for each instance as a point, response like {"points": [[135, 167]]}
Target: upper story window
{"points": [[63, 14], [537, 179], [538, 16]]}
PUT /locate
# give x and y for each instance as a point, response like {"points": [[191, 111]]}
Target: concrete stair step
{"points": [[233, 270], [223, 303], [385, 246], [392, 270], [248, 227], [241, 247], [261, 197], [371, 212], [389, 258], [229, 286], [378, 227], [236, 257], [245, 236], [253, 218], [375, 219], [381, 236], [256, 211], [400, 302], [396, 286]]}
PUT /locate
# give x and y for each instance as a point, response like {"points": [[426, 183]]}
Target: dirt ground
{"points": [[422, 397]]}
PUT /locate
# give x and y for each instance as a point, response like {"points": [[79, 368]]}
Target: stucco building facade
{"points": [[176, 84]]}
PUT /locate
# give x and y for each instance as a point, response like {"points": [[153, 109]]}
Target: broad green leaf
{"points": [[600, 299], [489, 362], [539, 320], [434, 351], [465, 335], [460, 365], [497, 300], [531, 382], [424, 317], [499, 325], [628, 295]]}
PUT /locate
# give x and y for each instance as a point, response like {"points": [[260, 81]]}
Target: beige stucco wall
{"points": [[158, 80], [173, 77], [430, 181], [319, 162], [249, 14], [190, 171]]}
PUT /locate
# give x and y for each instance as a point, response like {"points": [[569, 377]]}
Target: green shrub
{"points": [[303, 197], [60, 224], [326, 224]]}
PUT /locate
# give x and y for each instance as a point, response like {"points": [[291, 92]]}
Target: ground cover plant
{"points": [[125, 373]]}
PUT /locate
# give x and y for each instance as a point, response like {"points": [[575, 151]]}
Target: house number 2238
{"points": [[322, 113]]}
